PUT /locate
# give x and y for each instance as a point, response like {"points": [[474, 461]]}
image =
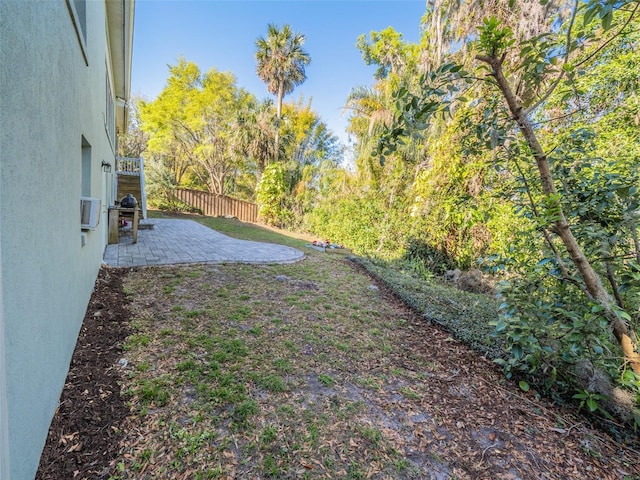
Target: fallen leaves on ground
{"points": [[306, 371]]}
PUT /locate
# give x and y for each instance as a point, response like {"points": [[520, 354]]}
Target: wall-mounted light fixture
{"points": [[106, 167]]}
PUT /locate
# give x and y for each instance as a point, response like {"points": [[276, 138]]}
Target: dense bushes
{"points": [[364, 223], [423, 255]]}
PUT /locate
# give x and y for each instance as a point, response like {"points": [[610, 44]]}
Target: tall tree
{"points": [[169, 151], [388, 51], [448, 24], [524, 78], [257, 132], [494, 40], [281, 63], [309, 139], [196, 119], [134, 142]]}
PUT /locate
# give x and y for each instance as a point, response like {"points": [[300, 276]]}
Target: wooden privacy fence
{"points": [[218, 205]]}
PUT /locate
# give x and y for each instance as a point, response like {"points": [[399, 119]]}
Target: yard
{"points": [[309, 370]]}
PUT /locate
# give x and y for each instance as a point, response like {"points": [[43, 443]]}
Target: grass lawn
{"points": [[313, 370]]}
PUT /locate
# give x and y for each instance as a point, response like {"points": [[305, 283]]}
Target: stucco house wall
{"points": [[55, 129]]}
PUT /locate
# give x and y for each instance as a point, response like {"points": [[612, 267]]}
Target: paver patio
{"points": [[170, 241]]}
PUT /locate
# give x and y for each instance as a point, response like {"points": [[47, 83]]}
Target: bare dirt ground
{"points": [[302, 371]]}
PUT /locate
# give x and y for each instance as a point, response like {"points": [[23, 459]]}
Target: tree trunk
{"points": [[278, 117], [561, 226]]}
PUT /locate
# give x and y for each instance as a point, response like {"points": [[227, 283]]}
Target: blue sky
{"points": [[222, 35]]}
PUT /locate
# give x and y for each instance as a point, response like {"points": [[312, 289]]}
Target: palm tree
{"points": [[367, 106], [257, 135], [281, 64]]}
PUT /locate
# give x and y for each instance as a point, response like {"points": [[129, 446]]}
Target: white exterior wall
{"points": [[49, 100]]}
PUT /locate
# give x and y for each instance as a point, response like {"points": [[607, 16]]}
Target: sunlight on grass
{"points": [[276, 371], [238, 350]]}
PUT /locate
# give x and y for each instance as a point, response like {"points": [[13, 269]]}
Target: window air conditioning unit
{"points": [[89, 213]]}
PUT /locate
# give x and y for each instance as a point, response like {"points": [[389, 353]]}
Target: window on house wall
{"points": [[86, 168], [110, 122], [90, 207], [78, 11]]}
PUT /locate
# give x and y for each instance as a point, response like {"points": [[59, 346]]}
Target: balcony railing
{"points": [[128, 166]]}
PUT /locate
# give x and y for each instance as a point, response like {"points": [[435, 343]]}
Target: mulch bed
{"points": [[84, 436]]}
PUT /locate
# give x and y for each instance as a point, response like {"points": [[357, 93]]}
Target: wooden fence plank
{"points": [[218, 205]]}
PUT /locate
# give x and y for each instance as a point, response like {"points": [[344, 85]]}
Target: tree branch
{"points": [[547, 237], [557, 118], [613, 37], [567, 48]]}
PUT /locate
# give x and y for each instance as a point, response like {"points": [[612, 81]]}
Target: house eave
{"points": [[120, 15]]}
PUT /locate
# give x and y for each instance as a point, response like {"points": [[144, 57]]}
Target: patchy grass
{"points": [[305, 371], [258, 382], [311, 371]]}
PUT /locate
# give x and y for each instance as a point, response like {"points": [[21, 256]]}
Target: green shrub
{"points": [[432, 258]]}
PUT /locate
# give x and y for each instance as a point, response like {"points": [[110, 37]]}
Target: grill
{"points": [[129, 201]]}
